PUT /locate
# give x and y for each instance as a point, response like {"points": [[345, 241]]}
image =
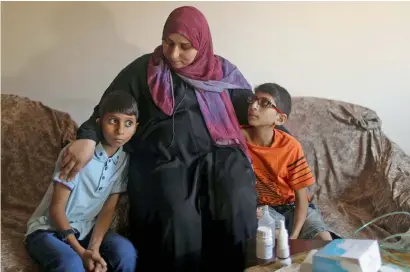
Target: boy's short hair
{"points": [[118, 101], [281, 95]]}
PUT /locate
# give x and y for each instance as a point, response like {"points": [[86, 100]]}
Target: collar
{"points": [[101, 155]]}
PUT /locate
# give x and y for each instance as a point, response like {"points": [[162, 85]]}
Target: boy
{"points": [[68, 230], [280, 166]]}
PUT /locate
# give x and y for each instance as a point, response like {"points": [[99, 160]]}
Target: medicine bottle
{"points": [[264, 243]]}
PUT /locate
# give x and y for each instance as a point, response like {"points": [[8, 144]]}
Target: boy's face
{"points": [[118, 128], [262, 111]]}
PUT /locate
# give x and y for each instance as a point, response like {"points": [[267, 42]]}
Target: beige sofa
{"points": [[360, 173]]}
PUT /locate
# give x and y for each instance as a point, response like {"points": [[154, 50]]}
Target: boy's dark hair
{"points": [[120, 102], [281, 95]]}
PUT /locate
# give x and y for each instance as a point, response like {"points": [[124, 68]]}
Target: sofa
{"points": [[360, 173]]}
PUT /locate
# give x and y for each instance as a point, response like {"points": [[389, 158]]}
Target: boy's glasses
{"points": [[263, 102]]}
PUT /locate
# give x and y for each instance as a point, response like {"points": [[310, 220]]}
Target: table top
{"points": [[295, 246], [301, 246]]}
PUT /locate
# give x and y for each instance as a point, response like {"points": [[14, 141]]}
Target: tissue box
{"points": [[348, 255]]}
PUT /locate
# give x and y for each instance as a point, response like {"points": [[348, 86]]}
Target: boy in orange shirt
{"points": [[281, 169]]}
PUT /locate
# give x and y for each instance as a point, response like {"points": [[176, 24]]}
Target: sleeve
{"points": [[120, 185], [239, 99], [299, 174], [69, 184], [126, 81]]}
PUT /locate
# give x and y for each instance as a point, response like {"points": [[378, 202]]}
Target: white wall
{"points": [[66, 54]]}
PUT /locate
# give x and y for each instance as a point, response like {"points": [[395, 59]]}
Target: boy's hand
{"points": [[93, 261], [100, 264], [100, 268], [88, 260], [259, 212]]}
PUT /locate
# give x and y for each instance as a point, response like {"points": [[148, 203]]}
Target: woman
{"points": [[191, 185]]}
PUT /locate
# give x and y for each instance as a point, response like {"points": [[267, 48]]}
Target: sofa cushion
{"points": [[360, 173], [32, 136]]}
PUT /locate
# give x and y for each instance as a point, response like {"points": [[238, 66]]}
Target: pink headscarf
{"points": [[191, 23], [209, 74]]}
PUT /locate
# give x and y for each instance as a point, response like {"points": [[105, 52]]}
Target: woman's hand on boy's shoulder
{"points": [[75, 157]]}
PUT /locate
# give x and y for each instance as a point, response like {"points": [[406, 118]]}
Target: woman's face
{"points": [[178, 51]]}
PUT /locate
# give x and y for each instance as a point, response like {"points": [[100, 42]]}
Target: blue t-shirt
{"points": [[90, 188]]}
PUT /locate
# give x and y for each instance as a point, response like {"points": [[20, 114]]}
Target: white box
{"points": [[348, 255]]}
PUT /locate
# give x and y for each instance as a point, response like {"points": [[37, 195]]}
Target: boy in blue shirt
{"points": [[69, 229]]}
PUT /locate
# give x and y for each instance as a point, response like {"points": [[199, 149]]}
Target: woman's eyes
{"points": [[186, 46], [183, 46]]}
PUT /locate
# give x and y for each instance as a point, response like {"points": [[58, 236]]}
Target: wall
{"points": [[66, 53]]}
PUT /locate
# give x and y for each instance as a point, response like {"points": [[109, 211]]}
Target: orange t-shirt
{"points": [[280, 169]]}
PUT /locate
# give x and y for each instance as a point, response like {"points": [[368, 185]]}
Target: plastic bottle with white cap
{"points": [[267, 221], [282, 248], [264, 243]]}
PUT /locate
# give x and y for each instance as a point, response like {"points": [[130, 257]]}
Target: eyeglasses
{"points": [[263, 102]]}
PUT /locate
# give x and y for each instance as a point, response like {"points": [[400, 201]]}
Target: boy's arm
{"points": [[59, 201], [104, 221], [299, 178], [301, 209], [61, 193]]}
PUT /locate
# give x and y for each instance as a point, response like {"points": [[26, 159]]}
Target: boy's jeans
{"points": [[52, 254]]}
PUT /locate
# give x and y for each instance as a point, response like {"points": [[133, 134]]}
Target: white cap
{"points": [[282, 224], [283, 236], [264, 232]]}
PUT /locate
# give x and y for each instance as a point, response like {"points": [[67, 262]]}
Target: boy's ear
{"points": [[281, 119], [97, 120]]}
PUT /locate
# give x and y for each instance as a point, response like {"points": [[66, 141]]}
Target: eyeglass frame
{"points": [[252, 99]]}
